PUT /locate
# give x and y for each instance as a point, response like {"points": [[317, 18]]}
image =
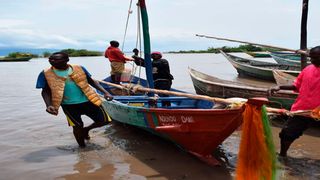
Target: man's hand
{"points": [[108, 97], [299, 51], [272, 90], [52, 110], [128, 58]]}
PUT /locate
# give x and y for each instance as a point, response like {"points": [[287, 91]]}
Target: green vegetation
{"points": [[46, 54], [81, 52], [241, 48], [76, 53], [21, 55]]}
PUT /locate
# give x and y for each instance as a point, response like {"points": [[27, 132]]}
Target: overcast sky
{"points": [[91, 24]]}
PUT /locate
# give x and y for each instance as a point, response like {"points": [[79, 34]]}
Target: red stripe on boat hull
{"points": [[198, 131]]}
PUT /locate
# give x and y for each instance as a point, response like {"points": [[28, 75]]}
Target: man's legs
{"points": [[116, 70], [78, 134], [98, 115], [284, 146], [117, 78], [293, 129], [73, 113], [92, 126], [164, 85], [113, 78]]}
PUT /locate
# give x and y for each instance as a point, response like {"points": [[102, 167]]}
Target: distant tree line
{"points": [[81, 52], [21, 54], [70, 52], [240, 48], [76, 53]]}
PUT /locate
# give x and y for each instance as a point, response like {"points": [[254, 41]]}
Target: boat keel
{"points": [[209, 159]]}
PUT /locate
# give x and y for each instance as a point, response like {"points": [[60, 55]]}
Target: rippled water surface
{"points": [[36, 145]]}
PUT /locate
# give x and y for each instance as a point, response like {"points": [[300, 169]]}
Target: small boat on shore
{"points": [[287, 59], [258, 69], [286, 54], [212, 86], [18, 59]]}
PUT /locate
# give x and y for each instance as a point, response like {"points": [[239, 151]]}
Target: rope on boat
{"points": [[158, 91], [126, 28], [232, 102], [138, 43], [138, 39]]}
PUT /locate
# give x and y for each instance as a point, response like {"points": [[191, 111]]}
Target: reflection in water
{"points": [[44, 154]]}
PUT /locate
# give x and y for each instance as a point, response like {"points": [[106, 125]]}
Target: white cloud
{"points": [[91, 24], [11, 23], [34, 39]]}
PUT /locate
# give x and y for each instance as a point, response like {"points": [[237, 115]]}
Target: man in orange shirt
{"points": [[117, 60]]}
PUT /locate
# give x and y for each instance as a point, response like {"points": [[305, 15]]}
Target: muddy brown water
{"points": [[36, 145]]}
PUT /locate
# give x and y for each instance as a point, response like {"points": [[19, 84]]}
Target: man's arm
{"points": [[283, 87], [138, 60], [121, 56], [46, 95], [94, 83]]}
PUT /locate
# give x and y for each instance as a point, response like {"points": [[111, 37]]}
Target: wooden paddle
{"points": [[256, 44]]}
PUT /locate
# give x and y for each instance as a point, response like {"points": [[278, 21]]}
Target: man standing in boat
{"points": [[160, 71], [308, 86], [117, 60], [68, 86]]}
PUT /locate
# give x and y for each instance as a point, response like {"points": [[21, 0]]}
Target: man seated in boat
{"points": [[117, 60], [160, 71]]}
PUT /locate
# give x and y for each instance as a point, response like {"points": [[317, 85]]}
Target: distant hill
{"points": [[6, 51]]}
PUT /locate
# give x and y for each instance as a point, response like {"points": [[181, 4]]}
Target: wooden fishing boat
{"points": [[283, 78], [287, 59], [286, 54], [258, 70], [190, 123], [19, 59], [212, 86]]}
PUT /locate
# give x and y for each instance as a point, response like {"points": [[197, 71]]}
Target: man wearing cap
{"points": [[117, 60], [160, 71], [68, 86]]}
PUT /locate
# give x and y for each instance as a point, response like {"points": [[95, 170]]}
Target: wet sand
{"points": [[36, 145], [139, 155]]}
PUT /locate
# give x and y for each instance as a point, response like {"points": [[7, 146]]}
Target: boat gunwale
{"points": [[174, 111], [258, 67], [280, 60], [191, 72]]}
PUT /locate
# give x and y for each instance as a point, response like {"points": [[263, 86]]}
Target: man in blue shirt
{"points": [[69, 86]]}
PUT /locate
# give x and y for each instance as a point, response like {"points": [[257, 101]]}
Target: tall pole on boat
{"points": [[303, 40], [146, 41]]}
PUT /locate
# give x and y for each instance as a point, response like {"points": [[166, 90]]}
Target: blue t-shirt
{"points": [[72, 93]]}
